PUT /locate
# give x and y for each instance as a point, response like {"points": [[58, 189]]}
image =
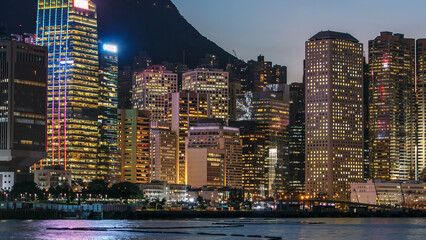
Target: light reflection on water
{"points": [[327, 228]]}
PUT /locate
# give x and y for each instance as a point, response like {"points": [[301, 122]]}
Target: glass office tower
{"points": [[108, 163], [69, 29]]}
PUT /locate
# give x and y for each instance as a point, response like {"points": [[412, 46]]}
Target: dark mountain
{"points": [[154, 26]]}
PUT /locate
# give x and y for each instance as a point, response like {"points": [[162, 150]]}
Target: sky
{"points": [[278, 29]]}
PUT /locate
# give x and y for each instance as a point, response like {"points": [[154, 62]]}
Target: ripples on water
{"points": [[229, 229]]}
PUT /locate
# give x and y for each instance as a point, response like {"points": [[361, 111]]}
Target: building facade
{"points": [[23, 86], [213, 82], [204, 166], [296, 164], [254, 153], [419, 163], [164, 154], [392, 106], [108, 160], [69, 30], [214, 135], [149, 90], [183, 109], [390, 193], [334, 114], [134, 145]]}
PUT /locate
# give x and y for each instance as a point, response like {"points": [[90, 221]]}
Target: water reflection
{"points": [[319, 228]]}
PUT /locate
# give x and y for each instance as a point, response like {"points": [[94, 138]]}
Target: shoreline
{"points": [[27, 214]]}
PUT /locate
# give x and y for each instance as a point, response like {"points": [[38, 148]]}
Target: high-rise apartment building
{"points": [[149, 90], [213, 82], [419, 162], [69, 30], [23, 96], [134, 145], [213, 134], [334, 114], [392, 106], [164, 154], [108, 162], [183, 109]]}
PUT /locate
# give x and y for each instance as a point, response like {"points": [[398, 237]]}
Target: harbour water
{"points": [[229, 229]]}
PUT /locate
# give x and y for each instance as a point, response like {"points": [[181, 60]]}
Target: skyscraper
{"points": [[296, 166], [183, 109], [254, 153], [23, 95], [270, 109], [392, 106], [149, 90], [419, 163], [108, 162], [69, 30], [334, 114], [213, 82], [134, 145]]}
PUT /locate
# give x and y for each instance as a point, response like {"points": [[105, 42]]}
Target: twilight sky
{"points": [[278, 29]]}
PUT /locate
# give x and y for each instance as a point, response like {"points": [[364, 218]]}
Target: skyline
{"points": [[240, 31]]}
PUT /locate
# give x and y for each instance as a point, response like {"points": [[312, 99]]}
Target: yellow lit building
{"points": [[213, 82], [183, 109], [149, 90], [334, 119], [134, 145]]}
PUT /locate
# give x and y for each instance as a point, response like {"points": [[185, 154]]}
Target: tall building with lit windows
{"points": [[419, 165], [183, 109], [214, 82], [334, 115], [149, 90], [392, 106], [68, 28], [270, 110], [134, 145], [108, 162]]}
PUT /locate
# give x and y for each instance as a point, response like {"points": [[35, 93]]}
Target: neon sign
{"points": [[82, 4]]}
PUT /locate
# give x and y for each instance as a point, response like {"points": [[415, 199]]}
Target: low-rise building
{"points": [[159, 190], [52, 177], [391, 193], [214, 194]]}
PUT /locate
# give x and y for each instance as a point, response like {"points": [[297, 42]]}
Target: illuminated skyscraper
{"points": [[254, 152], [392, 106], [69, 30], [149, 90], [183, 109], [419, 163], [270, 109], [108, 163], [134, 145], [334, 114], [213, 82]]}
